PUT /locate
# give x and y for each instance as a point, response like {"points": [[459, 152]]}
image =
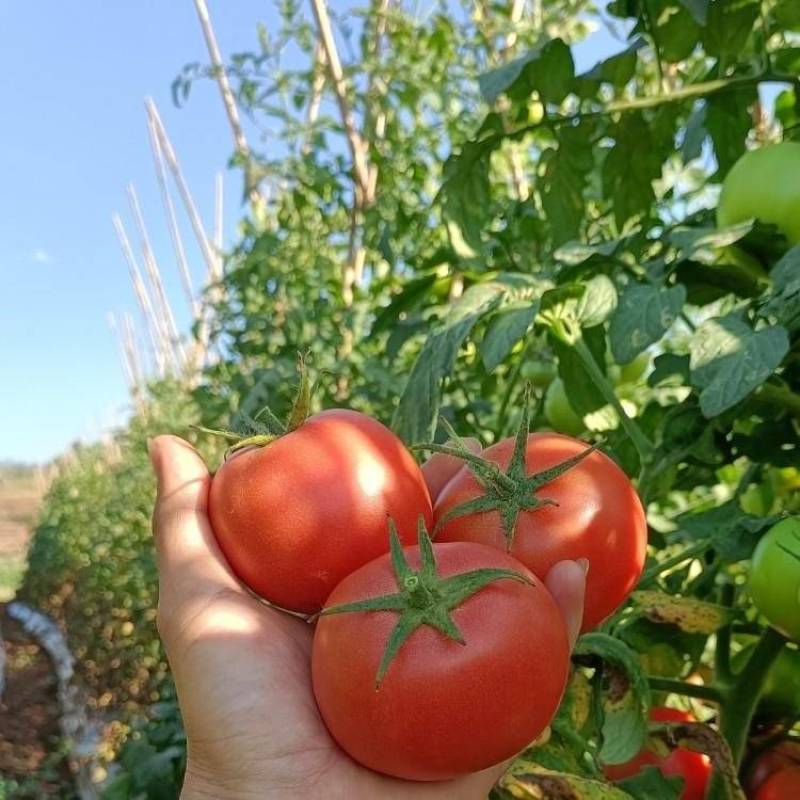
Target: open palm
{"points": [[242, 669]]}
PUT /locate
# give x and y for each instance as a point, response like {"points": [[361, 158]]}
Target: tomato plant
{"points": [[438, 660], [545, 497], [765, 184], [296, 515], [560, 414], [780, 695], [693, 768], [775, 577]]}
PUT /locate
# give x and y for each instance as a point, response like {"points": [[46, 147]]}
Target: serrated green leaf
{"points": [[583, 395], [729, 360], [783, 302], [728, 27], [652, 784], [644, 314], [698, 9], [786, 14], [728, 121], [669, 367]]}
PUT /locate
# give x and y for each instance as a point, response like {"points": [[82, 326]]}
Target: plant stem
{"points": [[780, 396], [654, 571], [513, 379], [711, 693], [722, 651], [640, 441], [743, 693]]}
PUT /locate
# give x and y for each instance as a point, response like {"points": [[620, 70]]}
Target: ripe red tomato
{"points": [[296, 516], [777, 758], [783, 785], [442, 708], [694, 768], [597, 515]]}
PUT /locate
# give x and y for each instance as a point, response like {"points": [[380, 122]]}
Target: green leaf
{"points": [[678, 33], [694, 135], [408, 298], [786, 14], [548, 70], [783, 302], [732, 532], [625, 700], [536, 784], [466, 193], [415, 418], [704, 243], [669, 367], [619, 69], [698, 9], [566, 170], [583, 395], [507, 327], [598, 303], [641, 142], [729, 360], [652, 784], [728, 27], [728, 121], [644, 314]]}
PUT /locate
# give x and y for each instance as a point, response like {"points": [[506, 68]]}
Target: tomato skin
{"points": [[764, 183], [599, 517], [295, 517], [558, 411], [777, 758], [443, 709], [694, 768], [783, 785], [775, 577]]}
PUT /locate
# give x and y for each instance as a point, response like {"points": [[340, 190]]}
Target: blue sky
{"points": [[72, 80]]}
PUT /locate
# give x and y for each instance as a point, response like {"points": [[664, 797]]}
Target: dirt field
{"points": [[21, 491]]}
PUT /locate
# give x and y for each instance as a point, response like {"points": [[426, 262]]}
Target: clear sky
{"points": [[72, 80]]}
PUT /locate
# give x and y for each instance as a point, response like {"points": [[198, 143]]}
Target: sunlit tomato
{"points": [[558, 411], [783, 785], [594, 513], [694, 768], [765, 184], [295, 517], [777, 758], [775, 576], [442, 708]]}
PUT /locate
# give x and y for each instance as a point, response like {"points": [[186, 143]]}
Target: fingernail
{"points": [[583, 563]]}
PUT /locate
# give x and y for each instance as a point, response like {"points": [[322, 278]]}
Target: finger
{"points": [[567, 583], [440, 469], [191, 566]]}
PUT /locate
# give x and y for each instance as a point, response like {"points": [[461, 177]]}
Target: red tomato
{"points": [[296, 516], [783, 785], [694, 768], [598, 516], [443, 708], [766, 764]]}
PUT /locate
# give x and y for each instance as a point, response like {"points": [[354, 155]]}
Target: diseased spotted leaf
{"points": [[644, 314], [689, 614], [729, 360]]}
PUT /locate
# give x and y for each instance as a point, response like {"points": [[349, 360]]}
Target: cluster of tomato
{"points": [[413, 637]]}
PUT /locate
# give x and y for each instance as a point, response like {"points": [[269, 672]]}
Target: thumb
{"points": [[191, 567]]}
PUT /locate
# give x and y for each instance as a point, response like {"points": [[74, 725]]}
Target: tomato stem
{"points": [[722, 650], [700, 692]]}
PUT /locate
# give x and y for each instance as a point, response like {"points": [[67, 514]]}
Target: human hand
{"points": [[242, 669]]}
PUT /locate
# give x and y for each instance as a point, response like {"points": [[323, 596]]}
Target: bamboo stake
{"points": [[133, 350], [218, 210], [358, 150], [127, 367], [229, 101], [172, 220], [154, 330], [162, 304], [183, 188]]}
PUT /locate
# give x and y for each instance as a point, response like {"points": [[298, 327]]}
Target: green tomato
{"points": [[765, 184], [560, 414], [780, 698], [538, 373], [775, 577]]}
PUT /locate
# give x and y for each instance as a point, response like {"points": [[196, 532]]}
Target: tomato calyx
{"points": [[424, 597], [265, 427], [511, 492]]}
